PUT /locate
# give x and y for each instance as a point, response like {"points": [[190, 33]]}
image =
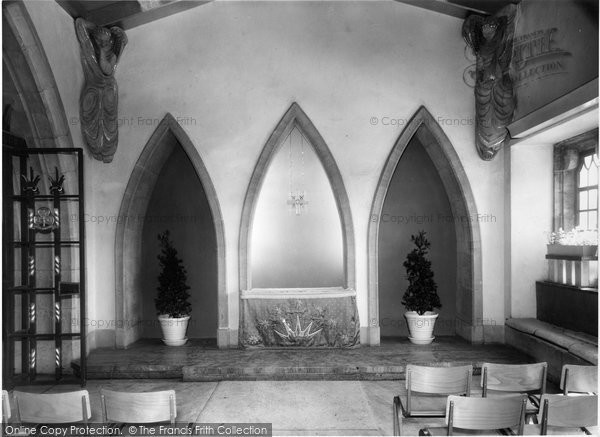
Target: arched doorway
{"points": [[128, 246], [469, 305]]}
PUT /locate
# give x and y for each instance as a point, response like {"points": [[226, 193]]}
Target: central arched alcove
{"points": [[468, 305], [296, 246], [136, 204], [296, 118], [318, 305]]}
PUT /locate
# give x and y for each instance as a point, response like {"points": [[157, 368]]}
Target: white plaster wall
{"points": [[230, 70], [531, 222]]}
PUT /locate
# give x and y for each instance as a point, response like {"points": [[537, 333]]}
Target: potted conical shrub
{"points": [[420, 298], [172, 304]]}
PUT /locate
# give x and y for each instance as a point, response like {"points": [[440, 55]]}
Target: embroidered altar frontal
{"points": [[299, 318]]}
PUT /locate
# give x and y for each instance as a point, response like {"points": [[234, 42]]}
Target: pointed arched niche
{"points": [[296, 244], [167, 137], [468, 305], [297, 265], [296, 120]]}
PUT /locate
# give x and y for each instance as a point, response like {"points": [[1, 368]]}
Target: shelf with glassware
{"points": [[573, 258]]}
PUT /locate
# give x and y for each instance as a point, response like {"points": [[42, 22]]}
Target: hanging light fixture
{"points": [[297, 195]]}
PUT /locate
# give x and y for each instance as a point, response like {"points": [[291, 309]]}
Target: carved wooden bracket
{"points": [[101, 50], [491, 39]]}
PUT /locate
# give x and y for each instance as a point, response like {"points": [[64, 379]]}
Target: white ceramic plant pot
{"points": [[421, 327], [174, 329]]}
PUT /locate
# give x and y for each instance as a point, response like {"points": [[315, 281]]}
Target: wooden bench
{"points": [[555, 345]]}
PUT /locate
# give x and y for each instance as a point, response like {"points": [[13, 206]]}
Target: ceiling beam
{"points": [[485, 7], [74, 9], [460, 8], [127, 14]]}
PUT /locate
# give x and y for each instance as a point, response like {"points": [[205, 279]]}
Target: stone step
{"points": [[150, 359], [346, 373]]}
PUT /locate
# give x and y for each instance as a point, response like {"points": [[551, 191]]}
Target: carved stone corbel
{"points": [[491, 39], [101, 50]]}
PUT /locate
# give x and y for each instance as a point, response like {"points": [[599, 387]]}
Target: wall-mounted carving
{"points": [[101, 50], [491, 39]]}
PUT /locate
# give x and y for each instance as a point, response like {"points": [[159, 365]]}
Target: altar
{"points": [[299, 317]]}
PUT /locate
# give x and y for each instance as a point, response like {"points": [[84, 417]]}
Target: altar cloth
{"points": [[318, 317]]}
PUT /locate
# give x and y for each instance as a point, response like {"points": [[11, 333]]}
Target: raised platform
{"points": [[198, 362]]}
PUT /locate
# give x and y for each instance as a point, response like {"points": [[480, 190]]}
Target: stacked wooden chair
{"points": [[148, 407], [74, 407], [566, 415], [502, 379], [575, 411], [55, 408], [427, 389], [6, 412], [475, 415], [579, 379], [510, 397]]}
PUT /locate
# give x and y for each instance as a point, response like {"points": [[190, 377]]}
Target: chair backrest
{"points": [[436, 381], [439, 380], [149, 407], [486, 413], [568, 411], [514, 377], [65, 407], [5, 407], [580, 379]]}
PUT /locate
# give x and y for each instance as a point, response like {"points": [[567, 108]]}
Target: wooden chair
{"points": [[579, 379], [427, 388], [566, 415], [502, 379], [150, 407], [6, 413], [475, 415], [69, 407]]}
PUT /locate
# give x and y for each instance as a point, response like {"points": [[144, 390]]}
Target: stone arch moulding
{"points": [[27, 64], [25, 60], [469, 302], [129, 232], [295, 116]]}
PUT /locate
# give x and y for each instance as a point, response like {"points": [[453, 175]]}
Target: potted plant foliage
{"points": [[172, 305], [420, 298]]}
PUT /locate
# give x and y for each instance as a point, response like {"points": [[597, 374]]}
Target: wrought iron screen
{"points": [[43, 264]]}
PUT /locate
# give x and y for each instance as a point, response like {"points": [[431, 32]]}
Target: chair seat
{"points": [[443, 430], [424, 405], [536, 430]]}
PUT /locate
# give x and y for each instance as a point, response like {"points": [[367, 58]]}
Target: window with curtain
{"points": [[576, 182], [587, 191]]}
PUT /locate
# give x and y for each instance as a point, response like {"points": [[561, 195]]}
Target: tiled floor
{"points": [[275, 386], [293, 407]]}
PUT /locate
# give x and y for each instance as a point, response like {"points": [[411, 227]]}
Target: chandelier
{"points": [[297, 194]]}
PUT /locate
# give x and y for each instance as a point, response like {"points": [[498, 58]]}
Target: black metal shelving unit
{"points": [[40, 260]]}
